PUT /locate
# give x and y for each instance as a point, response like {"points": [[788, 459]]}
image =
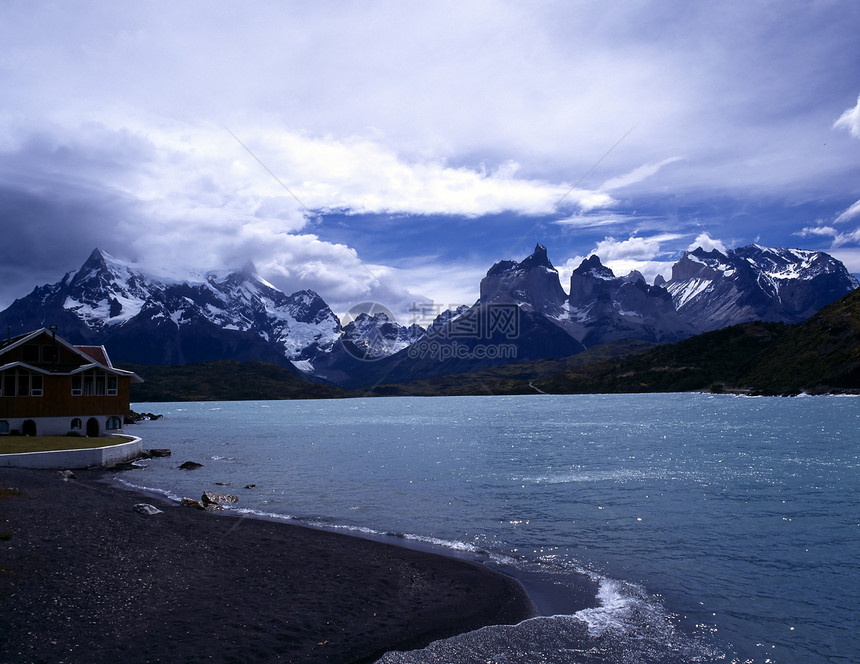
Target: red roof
{"points": [[98, 353]]}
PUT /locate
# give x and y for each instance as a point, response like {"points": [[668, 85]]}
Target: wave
{"points": [[573, 476], [629, 627], [149, 489], [363, 531]]}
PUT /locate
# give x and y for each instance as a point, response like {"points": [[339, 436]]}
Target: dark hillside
{"points": [[821, 354], [226, 380], [713, 360]]}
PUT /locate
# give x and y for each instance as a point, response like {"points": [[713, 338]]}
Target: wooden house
{"points": [[49, 387]]}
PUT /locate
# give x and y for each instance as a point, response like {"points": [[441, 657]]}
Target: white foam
{"points": [[148, 489], [618, 604]]}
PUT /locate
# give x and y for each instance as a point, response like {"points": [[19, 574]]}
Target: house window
{"points": [[93, 383], [30, 353], [4, 426], [77, 425], [9, 383], [89, 384], [113, 423], [50, 354], [21, 383]]}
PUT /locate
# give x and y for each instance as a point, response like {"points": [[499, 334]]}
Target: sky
{"points": [[392, 152]]}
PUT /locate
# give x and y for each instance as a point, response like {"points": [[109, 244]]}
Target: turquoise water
{"points": [[721, 529]]}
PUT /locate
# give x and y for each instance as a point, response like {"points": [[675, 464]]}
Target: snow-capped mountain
{"points": [[522, 313], [143, 318], [374, 336], [712, 290]]}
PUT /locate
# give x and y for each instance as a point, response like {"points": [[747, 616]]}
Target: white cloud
{"points": [[852, 212], [706, 242], [609, 249], [850, 257], [624, 256], [648, 269], [364, 176], [637, 174], [839, 238], [620, 267], [592, 220], [825, 231], [850, 120]]}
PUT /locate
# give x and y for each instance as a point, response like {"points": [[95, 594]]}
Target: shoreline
{"points": [[80, 569]]}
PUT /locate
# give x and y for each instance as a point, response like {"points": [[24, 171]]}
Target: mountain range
{"points": [[522, 314]]}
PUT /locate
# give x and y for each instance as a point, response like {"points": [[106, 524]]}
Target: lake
{"points": [[720, 528]]}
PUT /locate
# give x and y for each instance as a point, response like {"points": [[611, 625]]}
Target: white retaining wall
{"points": [[76, 459]]}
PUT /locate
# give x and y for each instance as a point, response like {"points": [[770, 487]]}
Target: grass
{"points": [[20, 444]]}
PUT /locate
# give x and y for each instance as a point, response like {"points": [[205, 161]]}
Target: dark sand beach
{"points": [[85, 578]]}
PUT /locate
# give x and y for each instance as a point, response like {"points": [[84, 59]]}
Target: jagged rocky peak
{"points": [[97, 266], [590, 281], [306, 306], [533, 283], [376, 335], [538, 258], [700, 264], [592, 267], [445, 318]]}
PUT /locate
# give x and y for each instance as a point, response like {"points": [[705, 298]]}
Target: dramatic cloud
{"points": [[340, 145]]}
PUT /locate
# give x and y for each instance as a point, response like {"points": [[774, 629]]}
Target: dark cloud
{"points": [[49, 230], [112, 132]]}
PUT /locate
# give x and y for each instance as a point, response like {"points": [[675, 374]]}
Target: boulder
{"points": [[67, 474], [147, 509], [159, 452], [190, 465], [215, 498], [190, 502]]}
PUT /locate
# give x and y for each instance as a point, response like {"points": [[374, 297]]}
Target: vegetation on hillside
{"points": [[819, 355]]}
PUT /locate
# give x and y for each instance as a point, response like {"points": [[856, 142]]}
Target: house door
{"points": [[92, 427], [28, 428]]}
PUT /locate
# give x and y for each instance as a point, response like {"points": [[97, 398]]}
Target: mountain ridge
{"points": [[522, 314]]}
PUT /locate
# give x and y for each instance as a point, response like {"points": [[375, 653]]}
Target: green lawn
{"points": [[18, 444]]}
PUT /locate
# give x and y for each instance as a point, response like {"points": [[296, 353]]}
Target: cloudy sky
{"points": [[393, 151]]}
